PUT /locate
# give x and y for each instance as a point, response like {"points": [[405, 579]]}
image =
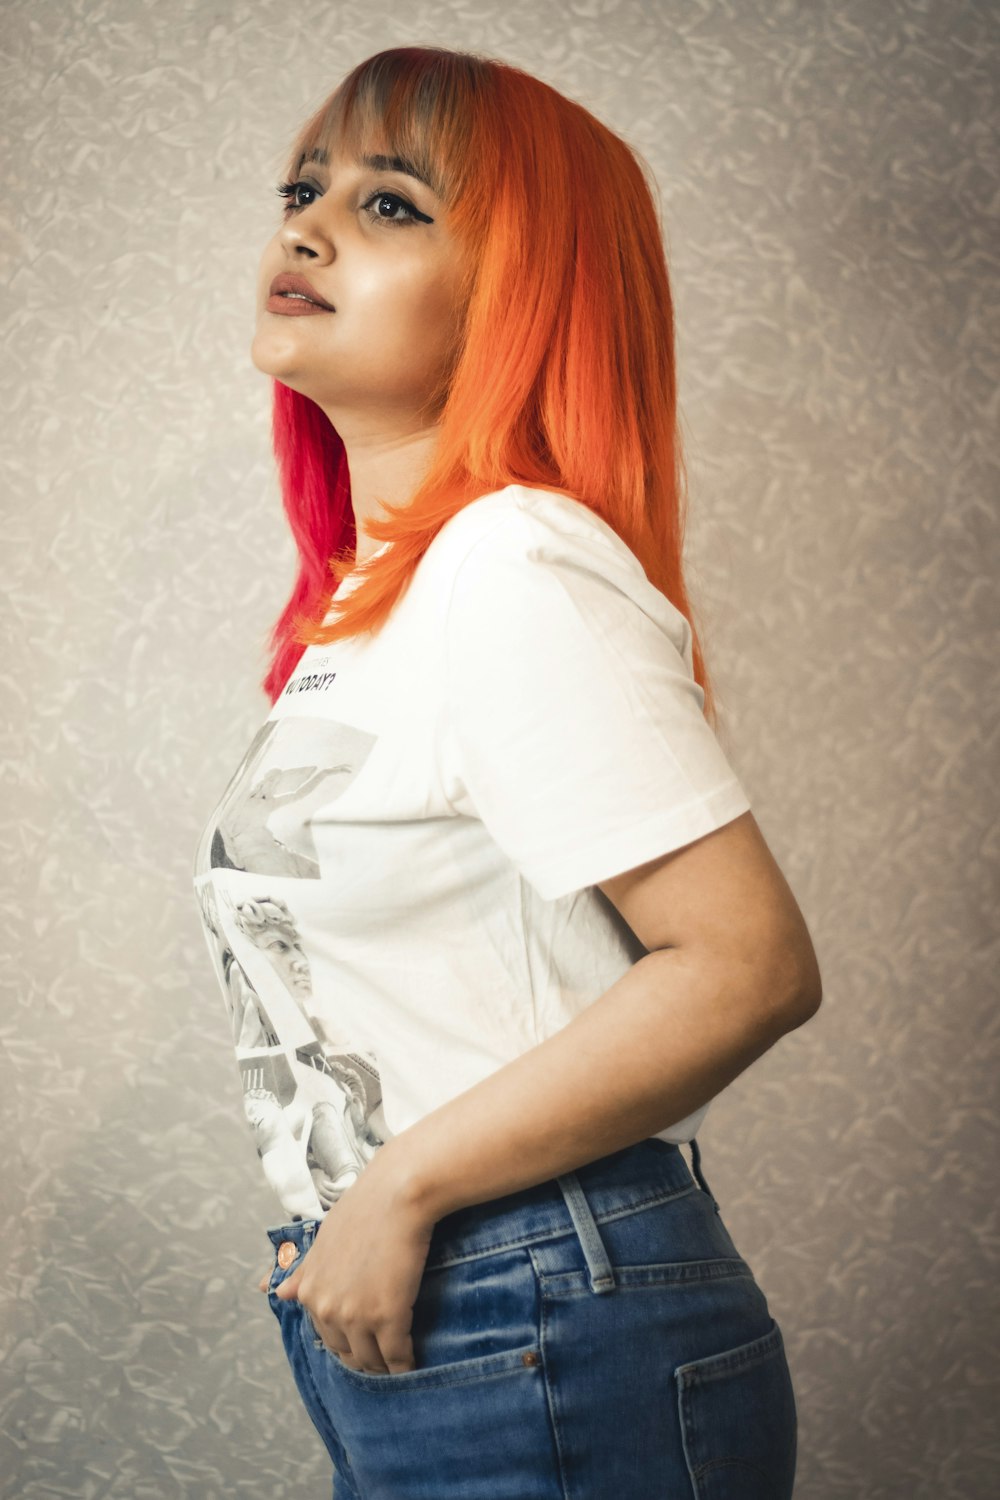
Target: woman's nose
{"points": [[306, 246], [307, 232]]}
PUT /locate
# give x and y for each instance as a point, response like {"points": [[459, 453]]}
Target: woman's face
{"points": [[374, 243]]}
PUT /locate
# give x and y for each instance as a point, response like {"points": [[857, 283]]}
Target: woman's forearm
{"points": [[669, 1035]]}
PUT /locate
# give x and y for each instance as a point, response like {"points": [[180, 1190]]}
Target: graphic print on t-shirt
{"points": [[312, 1098]]}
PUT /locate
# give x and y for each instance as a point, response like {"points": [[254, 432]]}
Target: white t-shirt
{"points": [[398, 885]]}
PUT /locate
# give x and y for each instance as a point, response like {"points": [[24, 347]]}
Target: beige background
{"points": [[831, 197]]}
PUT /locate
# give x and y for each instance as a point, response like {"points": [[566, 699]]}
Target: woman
{"points": [[542, 927]]}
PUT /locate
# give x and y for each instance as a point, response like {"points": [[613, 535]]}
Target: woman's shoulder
{"points": [[538, 524], [537, 545]]}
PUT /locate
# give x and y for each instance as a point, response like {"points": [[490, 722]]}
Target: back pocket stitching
{"points": [[697, 1374], [715, 1366]]}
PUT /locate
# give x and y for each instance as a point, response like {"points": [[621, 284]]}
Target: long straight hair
{"points": [[562, 375]]}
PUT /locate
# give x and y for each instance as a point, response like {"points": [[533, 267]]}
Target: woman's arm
{"points": [[731, 968]]}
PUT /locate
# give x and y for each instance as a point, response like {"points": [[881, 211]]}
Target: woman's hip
{"points": [[595, 1334]]}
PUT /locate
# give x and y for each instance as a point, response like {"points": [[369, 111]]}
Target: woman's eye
{"points": [[291, 190], [385, 197]]}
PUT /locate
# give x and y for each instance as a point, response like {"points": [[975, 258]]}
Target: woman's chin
{"points": [[278, 358]]}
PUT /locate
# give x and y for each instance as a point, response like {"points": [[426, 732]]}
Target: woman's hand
{"points": [[360, 1277]]}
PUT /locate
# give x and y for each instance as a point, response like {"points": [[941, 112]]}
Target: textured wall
{"points": [[830, 193]]}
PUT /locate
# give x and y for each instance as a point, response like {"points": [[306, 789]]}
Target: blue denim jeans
{"points": [[593, 1337]]}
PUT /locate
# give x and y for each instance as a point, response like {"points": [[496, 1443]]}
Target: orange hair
{"points": [[563, 377]]}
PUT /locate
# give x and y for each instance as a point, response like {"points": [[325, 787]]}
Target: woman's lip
{"points": [[294, 307]]}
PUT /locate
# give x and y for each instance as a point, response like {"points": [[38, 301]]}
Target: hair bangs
{"points": [[415, 103]]}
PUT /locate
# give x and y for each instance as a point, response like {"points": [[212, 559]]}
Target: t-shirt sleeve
{"points": [[574, 726]]}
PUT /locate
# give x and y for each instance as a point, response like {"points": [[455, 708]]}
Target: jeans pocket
{"points": [[738, 1421], [473, 1417], [472, 1321], [449, 1372]]}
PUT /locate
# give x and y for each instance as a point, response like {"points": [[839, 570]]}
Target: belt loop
{"points": [[602, 1276], [699, 1174]]}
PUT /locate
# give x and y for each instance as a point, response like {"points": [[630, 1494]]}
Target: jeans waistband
{"points": [[651, 1171]]}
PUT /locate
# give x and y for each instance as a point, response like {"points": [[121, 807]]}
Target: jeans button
{"points": [[287, 1251]]}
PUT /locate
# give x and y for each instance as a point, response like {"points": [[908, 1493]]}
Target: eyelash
{"points": [[290, 189]]}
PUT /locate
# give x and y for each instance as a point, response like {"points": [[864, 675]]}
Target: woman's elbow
{"points": [[798, 987]]}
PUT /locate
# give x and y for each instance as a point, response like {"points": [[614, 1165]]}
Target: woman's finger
{"points": [[359, 1350], [365, 1354], [398, 1353]]}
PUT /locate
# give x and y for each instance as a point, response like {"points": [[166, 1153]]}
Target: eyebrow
{"points": [[374, 164]]}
